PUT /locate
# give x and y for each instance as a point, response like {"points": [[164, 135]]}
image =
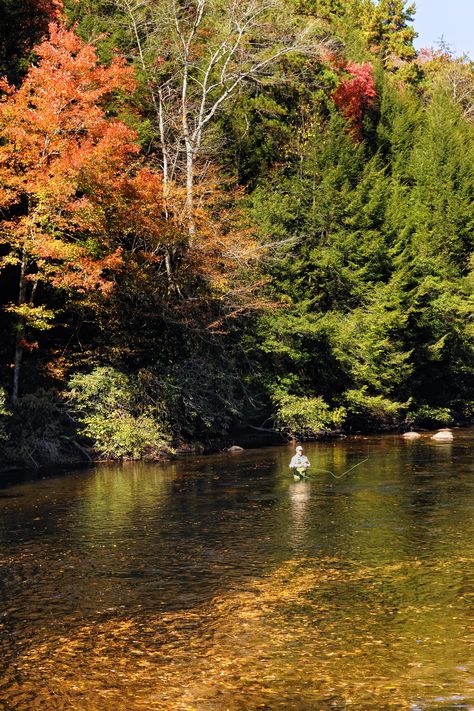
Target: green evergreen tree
{"points": [[343, 327], [390, 35], [432, 254], [103, 22]]}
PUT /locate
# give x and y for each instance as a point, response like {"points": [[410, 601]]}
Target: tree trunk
{"points": [[21, 331], [190, 191]]}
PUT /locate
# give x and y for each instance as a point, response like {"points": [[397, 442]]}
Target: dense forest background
{"points": [[219, 214]]}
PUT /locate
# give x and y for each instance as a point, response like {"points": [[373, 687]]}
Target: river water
{"points": [[219, 582]]}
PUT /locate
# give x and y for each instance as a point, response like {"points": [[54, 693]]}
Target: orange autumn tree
{"points": [[55, 132]]}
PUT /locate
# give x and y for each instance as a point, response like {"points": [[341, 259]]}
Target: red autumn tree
{"points": [[57, 143], [355, 94]]}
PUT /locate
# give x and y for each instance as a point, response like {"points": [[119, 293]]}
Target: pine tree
{"points": [[430, 218], [439, 211], [390, 36]]}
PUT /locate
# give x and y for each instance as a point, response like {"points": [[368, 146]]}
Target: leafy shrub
{"points": [[464, 409], [121, 435], [426, 416], [368, 411], [112, 414], [306, 417]]}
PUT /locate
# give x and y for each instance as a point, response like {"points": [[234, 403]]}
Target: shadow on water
{"points": [[219, 582]]}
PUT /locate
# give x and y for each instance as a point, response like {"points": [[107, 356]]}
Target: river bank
{"points": [[85, 455], [81, 455]]}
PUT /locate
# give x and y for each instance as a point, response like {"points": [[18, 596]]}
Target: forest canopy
{"points": [[228, 215]]}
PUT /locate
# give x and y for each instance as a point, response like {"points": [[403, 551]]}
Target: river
{"points": [[219, 582]]}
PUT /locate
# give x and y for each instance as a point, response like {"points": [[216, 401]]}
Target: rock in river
{"points": [[444, 435]]}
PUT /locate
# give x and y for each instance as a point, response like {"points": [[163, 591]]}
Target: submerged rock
{"points": [[411, 435], [235, 448]]}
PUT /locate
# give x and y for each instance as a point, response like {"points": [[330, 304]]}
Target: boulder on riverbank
{"points": [[411, 435], [235, 448]]}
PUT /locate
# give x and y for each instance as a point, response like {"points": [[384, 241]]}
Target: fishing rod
{"points": [[347, 471], [338, 476]]}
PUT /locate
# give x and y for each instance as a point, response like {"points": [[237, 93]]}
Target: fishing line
{"points": [[347, 471], [344, 473]]}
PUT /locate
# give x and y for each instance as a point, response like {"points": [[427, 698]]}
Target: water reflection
{"points": [[300, 496], [221, 583]]}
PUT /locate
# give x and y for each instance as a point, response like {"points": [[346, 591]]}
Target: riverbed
{"points": [[221, 582]]}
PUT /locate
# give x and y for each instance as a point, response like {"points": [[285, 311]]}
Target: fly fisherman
{"points": [[300, 463]]}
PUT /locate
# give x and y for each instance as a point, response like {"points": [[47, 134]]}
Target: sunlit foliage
{"points": [[291, 250]]}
